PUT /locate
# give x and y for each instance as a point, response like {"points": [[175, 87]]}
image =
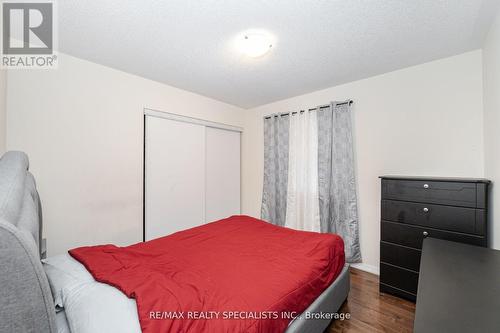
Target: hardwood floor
{"points": [[372, 311]]}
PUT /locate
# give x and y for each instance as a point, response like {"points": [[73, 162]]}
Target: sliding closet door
{"points": [[174, 176], [222, 173]]}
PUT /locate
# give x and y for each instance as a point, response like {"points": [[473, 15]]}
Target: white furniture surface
{"points": [[192, 173]]}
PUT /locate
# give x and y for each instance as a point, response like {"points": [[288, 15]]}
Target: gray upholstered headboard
{"points": [[25, 300]]}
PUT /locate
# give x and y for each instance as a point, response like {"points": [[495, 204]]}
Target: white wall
{"points": [[3, 109], [422, 120], [82, 127], [491, 85]]}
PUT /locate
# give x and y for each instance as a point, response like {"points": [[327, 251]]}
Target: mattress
{"points": [[237, 274], [125, 320]]}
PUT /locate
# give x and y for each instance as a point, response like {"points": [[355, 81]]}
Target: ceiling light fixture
{"points": [[254, 43]]}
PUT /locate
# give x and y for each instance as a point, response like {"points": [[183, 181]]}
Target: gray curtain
{"points": [[337, 184], [276, 129]]}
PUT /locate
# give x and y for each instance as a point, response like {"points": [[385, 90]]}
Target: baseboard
{"points": [[367, 268]]}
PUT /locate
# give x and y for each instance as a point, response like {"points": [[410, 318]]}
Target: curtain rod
{"points": [[313, 109]]}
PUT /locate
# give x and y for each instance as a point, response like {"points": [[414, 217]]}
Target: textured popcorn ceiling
{"points": [[187, 44]]}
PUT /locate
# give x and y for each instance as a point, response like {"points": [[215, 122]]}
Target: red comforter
{"points": [[239, 274]]}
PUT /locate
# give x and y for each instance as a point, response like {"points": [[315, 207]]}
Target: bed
{"points": [[29, 304]]}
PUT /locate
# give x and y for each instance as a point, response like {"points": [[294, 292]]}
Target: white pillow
{"points": [[95, 307], [63, 271]]}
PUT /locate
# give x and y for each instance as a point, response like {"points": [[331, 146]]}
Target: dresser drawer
{"points": [[398, 255], [444, 193], [385, 288], [460, 219], [399, 278], [412, 236]]}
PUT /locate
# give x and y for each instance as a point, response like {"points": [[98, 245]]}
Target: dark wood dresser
{"points": [[414, 208]]}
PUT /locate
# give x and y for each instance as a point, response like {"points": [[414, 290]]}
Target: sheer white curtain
{"points": [[302, 211]]}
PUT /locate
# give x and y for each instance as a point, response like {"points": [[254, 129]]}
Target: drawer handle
{"points": [[425, 233], [426, 210], [426, 185]]}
